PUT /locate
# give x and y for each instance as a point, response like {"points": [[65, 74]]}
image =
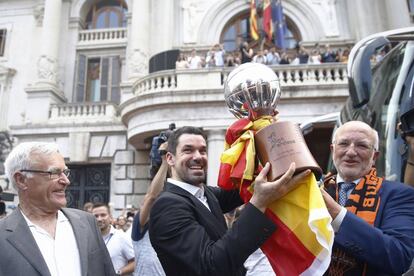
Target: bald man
{"points": [[373, 218]]}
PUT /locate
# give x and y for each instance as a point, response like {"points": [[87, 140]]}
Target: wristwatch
{"points": [[118, 272]]}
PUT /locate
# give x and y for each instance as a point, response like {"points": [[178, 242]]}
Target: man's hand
{"points": [[333, 207], [267, 192]]}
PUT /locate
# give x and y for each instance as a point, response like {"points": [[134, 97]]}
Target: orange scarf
{"points": [[364, 202]]}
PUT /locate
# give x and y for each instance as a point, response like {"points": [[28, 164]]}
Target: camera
{"points": [[155, 153]]}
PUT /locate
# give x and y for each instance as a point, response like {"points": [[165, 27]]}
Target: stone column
{"points": [[46, 89], [6, 75], [398, 14], [138, 40], [47, 64], [362, 25], [215, 146], [163, 25]]}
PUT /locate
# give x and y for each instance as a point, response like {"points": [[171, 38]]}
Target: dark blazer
{"points": [[20, 255], [191, 240], [387, 248]]}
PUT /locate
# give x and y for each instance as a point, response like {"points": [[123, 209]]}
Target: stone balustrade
{"points": [[213, 78], [97, 36], [81, 112]]}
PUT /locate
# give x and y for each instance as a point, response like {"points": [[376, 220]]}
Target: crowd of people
{"points": [[218, 57], [180, 228], [184, 227]]}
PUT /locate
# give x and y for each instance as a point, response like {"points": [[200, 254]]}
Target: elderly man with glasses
{"points": [[41, 237], [373, 218]]}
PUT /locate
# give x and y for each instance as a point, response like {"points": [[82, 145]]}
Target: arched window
{"points": [[237, 30], [107, 14]]}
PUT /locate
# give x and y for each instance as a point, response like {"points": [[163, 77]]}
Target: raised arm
{"points": [[155, 188]]}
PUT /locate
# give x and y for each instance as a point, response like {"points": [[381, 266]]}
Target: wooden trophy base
{"points": [[282, 143]]}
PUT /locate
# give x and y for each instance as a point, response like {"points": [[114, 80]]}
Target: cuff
{"points": [[336, 223]]}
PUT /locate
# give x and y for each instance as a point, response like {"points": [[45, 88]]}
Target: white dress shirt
{"points": [[119, 247], [61, 253], [198, 192]]}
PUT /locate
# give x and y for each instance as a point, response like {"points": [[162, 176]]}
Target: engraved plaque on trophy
{"points": [[253, 90]]}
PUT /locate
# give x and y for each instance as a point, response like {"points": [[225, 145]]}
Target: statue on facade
{"points": [[189, 21], [47, 69]]}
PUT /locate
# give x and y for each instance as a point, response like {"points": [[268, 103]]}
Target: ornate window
{"points": [[88, 183], [107, 14], [98, 79], [3, 33], [237, 30]]}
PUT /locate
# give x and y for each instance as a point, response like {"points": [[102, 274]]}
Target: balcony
{"points": [[290, 76], [83, 112], [196, 97], [102, 38]]}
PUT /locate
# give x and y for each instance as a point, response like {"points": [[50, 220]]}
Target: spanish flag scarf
{"points": [[303, 241], [364, 202]]}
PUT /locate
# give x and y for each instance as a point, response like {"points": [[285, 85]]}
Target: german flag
{"points": [[302, 243]]}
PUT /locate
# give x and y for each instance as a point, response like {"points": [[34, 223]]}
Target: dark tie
{"points": [[343, 190]]}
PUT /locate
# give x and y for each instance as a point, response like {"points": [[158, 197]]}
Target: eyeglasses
{"points": [[53, 173], [358, 145]]}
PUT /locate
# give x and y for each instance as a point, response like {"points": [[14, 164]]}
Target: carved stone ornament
{"points": [[39, 12], [138, 62], [327, 9], [47, 69], [190, 21]]}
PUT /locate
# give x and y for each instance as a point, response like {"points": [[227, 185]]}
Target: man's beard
{"points": [[195, 180]]}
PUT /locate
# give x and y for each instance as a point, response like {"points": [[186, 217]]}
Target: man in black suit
{"points": [[187, 226]]}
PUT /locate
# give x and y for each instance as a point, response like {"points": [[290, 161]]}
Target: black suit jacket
{"points": [[191, 240]]}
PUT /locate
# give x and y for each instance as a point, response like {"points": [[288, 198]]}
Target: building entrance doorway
{"points": [[88, 183]]}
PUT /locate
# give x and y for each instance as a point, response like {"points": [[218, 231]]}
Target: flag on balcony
{"points": [[280, 24], [253, 21], [302, 243], [267, 19]]}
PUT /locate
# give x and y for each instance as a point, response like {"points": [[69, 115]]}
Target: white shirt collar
{"points": [[60, 218], [196, 191], [339, 179]]}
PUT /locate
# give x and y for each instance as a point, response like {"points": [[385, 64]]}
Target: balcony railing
{"points": [[82, 112], [289, 75], [102, 36]]}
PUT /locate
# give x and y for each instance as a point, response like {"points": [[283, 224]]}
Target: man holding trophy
{"points": [[187, 227]]}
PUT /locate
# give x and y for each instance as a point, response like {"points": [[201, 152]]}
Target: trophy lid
{"points": [[252, 90]]}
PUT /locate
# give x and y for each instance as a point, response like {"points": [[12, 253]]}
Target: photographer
{"points": [[147, 262]]}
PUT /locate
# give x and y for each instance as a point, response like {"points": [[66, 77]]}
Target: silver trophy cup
{"points": [[253, 90]]}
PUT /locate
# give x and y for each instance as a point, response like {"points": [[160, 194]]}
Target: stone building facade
{"points": [[76, 72]]}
